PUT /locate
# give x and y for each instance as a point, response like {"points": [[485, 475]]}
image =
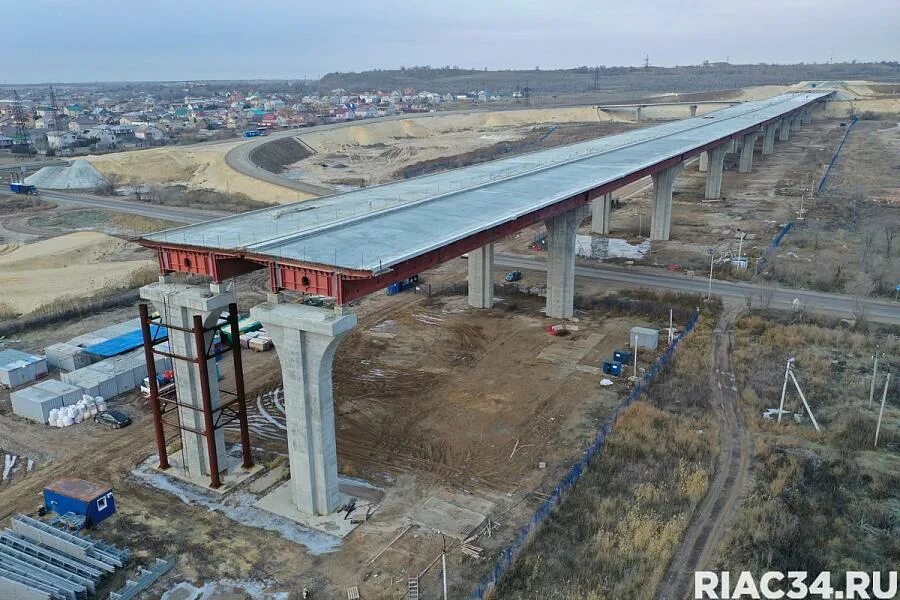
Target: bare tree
{"points": [[890, 231]]}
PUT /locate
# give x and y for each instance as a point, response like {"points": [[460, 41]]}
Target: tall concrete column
{"points": [[661, 218], [784, 129], [481, 277], [703, 167], [693, 110], [714, 174], [306, 339], [769, 139], [637, 114], [561, 262], [601, 209], [795, 121], [177, 304], [747, 146], [806, 117]]}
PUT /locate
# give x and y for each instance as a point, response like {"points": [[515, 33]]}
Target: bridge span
{"points": [[352, 244]]}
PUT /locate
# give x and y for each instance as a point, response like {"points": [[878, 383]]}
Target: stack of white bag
{"points": [[84, 409]]}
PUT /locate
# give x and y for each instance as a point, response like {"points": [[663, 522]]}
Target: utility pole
{"points": [[444, 562], [874, 376], [881, 412], [741, 246], [712, 254], [787, 371]]}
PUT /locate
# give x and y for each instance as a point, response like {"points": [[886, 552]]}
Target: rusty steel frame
{"points": [[162, 404], [346, 285]]}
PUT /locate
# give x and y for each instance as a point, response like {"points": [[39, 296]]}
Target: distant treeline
{"points": [[716, 76], [608, 80]]}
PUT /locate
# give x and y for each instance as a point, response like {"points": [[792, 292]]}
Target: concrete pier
{"points": [[177, 304], [661, 218], [747, 146], [306, 339], [795, 121], [637, 114], [714, 174], [807, 117], [693, 110], [769, 139], [601, 209], [481, 277], [784, 129], [561, 262], [703, 166]]}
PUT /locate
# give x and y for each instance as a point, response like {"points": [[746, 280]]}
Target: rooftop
{"points": [[78, 489], [373, 228]]}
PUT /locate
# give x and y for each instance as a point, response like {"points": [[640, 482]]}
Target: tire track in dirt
{"points": [[707, 529]]}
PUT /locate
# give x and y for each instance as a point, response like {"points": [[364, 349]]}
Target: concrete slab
{"points": [[280, 502], [448, 518], [234, 476]]}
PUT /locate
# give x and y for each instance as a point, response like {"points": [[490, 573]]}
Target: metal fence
{"points": [[509, 554], [824, 179]]}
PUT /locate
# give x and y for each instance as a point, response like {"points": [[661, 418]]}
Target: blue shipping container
{"points": [[93, 501]]}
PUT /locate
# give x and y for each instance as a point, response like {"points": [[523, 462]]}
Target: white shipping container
{"points": [[37, 401], [18, 368]]}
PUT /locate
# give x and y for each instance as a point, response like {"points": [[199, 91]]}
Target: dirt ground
{"points": [[72, 265], [432, 397]]}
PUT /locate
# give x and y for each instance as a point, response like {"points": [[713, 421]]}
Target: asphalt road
{"points": [[167, 213], [838, 305]]}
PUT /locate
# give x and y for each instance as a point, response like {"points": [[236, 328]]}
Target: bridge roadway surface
{"points": [[838, 305], [351, 244]]}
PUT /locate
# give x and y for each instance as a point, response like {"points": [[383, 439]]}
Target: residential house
{"points": [[73, 110], [61, 140], [81, 124], [150, 133]]}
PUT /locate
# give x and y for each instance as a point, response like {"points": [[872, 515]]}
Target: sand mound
{"points": [[80, 175], [201, 167], [389, 132], [78, 264]]}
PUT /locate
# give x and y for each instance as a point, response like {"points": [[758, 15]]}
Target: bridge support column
{"points": [[306, 339], [769, 139], [178, 304], [806, 117], [693, 108], [714, 175], [784, 129], [661, 218], [795, 121], [481, 277], [703, 167], [561, 262], [601, 209], [747, 147], [637, 114]]}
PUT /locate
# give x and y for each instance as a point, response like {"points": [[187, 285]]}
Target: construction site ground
{"points": [[433, 400]]}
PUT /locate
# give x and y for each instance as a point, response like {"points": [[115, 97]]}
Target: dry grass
{"points": [[818, 501]]}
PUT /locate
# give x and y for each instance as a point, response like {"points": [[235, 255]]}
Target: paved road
{"points": [[839, 305], [153, 211]]}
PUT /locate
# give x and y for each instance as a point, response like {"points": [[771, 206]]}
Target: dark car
{"points": [[113, 419], [513, 276]]}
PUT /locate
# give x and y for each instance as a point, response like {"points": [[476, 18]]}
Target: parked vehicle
{"points": [[254, 133], [23, 188], [113, 419], [514, 276]]}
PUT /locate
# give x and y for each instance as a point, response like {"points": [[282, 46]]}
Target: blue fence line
{"points": [[836, 152], [509, 554], [479, 157]]}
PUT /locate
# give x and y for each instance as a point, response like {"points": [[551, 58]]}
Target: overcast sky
{"points": [[96, 40]]}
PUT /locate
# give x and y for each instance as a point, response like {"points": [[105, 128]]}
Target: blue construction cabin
{"points": [[93, 501]]}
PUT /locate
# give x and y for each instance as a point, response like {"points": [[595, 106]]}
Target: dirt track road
{"points": [[709, 524]]}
